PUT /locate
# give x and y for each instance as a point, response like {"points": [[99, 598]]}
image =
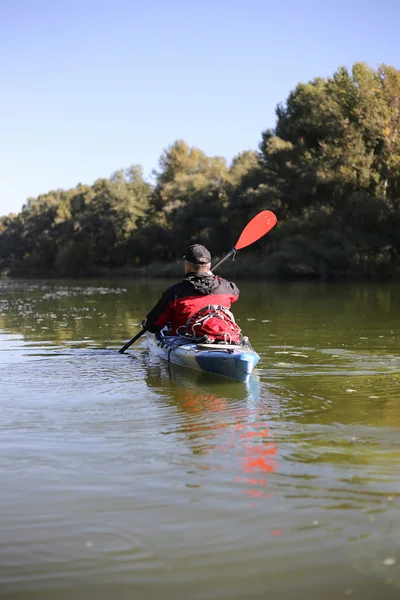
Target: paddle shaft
{"points": [[132, 341], [233, 251]]}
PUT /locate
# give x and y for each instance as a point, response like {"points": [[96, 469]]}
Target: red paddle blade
{"points": [[256, 228]]}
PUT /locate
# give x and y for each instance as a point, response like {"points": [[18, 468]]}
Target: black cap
{"points": [[197, 255]]}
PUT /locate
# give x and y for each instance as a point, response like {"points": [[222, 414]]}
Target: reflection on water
{"points": [[121, 475], [221, 417]]}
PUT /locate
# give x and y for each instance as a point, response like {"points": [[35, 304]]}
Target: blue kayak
{"points": [[229, 360]]}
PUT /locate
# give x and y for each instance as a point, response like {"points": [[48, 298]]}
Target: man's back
{"points": [[186, 297]]}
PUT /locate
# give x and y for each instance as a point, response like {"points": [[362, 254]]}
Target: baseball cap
{"points": [[197, 254]]}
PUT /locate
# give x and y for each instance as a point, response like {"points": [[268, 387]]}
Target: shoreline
{"points": [[248, 267]]}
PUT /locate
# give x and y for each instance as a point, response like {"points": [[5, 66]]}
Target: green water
{"points": [[122, 478]]}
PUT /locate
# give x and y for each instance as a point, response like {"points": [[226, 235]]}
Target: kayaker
{"points": [[198, 289]]}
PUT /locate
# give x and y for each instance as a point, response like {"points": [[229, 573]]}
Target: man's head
{"points": [[197, 259]]}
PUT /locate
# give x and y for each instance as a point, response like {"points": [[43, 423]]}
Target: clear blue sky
{"points": [[88, 87]]}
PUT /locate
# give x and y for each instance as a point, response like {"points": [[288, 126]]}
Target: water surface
{"points": [[123, 478]]}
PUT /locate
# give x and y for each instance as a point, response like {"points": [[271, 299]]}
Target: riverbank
{"points": [[249, 266], [269, 267]]}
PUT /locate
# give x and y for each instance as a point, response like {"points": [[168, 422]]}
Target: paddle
{"points": [[254, 230], [259, 225], [132, 341]]}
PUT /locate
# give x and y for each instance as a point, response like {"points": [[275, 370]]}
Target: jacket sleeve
{"points": [[230, 288], [235, 291], [162, 313]]}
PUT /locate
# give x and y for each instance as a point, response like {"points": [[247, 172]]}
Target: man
{"points": [[199, 288]]}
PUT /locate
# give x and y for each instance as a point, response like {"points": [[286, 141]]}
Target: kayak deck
{"points": [[229, 360]]}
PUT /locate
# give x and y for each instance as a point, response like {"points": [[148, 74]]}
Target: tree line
{"points": [[330, 170]]}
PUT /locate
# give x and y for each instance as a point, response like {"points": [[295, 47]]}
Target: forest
{"points": [[329, 170]]}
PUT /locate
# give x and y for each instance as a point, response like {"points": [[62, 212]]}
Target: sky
{"points": [[88, 87]]}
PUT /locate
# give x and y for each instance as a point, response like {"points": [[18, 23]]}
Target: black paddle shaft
{"points": [[233, 251], [132, 341]]}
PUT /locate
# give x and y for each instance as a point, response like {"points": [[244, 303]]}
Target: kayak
{"points": [[229, 360]]}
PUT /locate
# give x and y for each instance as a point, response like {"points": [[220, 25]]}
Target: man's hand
{"points": [[144, 324]]}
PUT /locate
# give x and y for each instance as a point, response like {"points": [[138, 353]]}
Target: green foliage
{"points": [[330, 170], [77, 231], [189, 201]]}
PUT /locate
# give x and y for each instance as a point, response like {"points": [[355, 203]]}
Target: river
{"points": [[123, 478]]}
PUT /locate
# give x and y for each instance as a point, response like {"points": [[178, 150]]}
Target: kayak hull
{"points": [[233, 361]]}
